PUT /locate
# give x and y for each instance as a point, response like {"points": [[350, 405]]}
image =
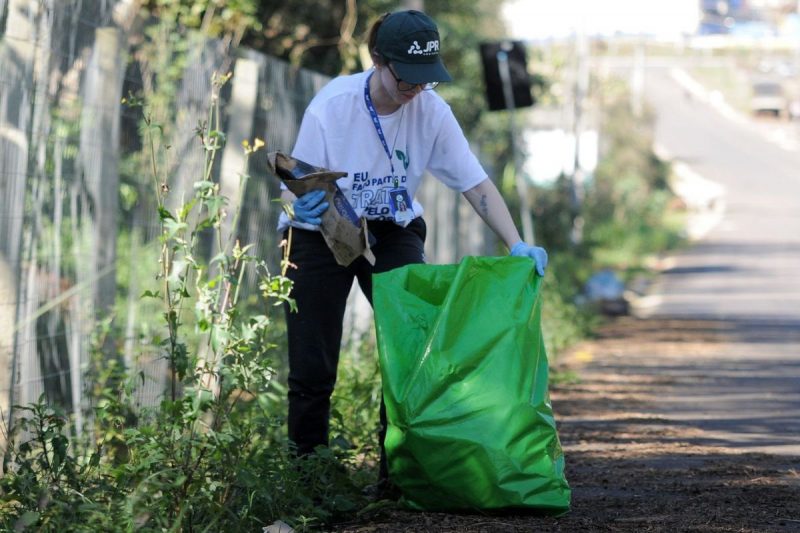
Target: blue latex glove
{"points": [[539, 255], [309, 207]]}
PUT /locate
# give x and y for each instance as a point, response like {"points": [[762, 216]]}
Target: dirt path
{"points": [[637, 458]]}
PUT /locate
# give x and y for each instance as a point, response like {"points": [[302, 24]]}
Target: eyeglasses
{"points": [[404, 86]]}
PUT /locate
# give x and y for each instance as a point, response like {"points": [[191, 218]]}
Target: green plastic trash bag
{"points": [[464, 374]]}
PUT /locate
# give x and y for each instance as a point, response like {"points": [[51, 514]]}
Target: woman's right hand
{"points": [[308, 208]]}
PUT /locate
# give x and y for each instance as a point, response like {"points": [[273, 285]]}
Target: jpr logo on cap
{"points": [[431, 48]]}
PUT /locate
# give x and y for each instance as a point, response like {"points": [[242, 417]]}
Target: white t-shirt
{"points": [[337, 133]]}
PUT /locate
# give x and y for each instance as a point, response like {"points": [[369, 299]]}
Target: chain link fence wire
{"points": [[78, 225]]}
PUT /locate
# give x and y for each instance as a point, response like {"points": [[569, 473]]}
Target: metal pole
{"points": [[522, 188], [581, 88]]}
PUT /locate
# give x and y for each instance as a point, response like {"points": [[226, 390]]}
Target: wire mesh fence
{"points": [[78, 224]]}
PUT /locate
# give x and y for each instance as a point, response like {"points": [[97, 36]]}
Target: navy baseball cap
{"points": [[410, 41]]}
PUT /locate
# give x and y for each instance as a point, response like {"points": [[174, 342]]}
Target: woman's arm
{"points": [[486, 200], [489, 204]]}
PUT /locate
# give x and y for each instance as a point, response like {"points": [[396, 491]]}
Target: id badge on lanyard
{"points": [[400, 204]]}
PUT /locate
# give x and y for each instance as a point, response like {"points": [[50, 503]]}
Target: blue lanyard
{"points": [[376, 121]]}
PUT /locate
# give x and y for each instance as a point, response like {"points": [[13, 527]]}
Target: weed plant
{"points": [[211, 456]]}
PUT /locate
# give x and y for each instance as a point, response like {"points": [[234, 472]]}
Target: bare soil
{"points": [[631, 467]]}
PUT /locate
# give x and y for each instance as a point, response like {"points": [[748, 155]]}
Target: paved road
{"points": [[743, 277]]}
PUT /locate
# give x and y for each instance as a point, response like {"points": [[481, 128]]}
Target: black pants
{"points": [[321, 287]]}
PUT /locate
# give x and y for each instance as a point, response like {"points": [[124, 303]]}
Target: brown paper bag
{"points": [[345, 233]]}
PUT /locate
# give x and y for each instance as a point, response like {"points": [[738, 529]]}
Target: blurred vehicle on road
{"points": [[768, 98]]}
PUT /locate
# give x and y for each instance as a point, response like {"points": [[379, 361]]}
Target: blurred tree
{"points": [[321, 35], [325, 35], [225, 19]]}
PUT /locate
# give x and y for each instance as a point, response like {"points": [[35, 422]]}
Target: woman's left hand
{"points": [[539, 255]]}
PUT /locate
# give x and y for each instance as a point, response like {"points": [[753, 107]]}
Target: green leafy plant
{"points": [[210, 456]]}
